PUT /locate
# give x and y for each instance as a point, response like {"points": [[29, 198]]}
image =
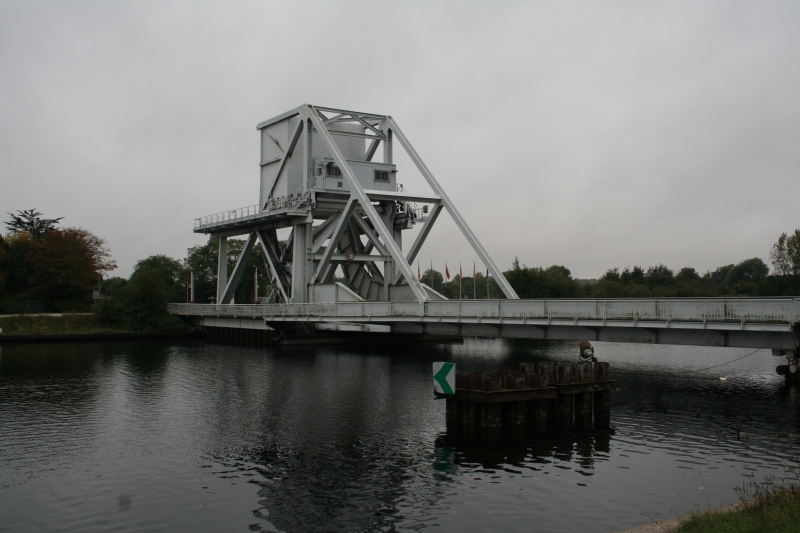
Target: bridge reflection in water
{"points": [[345, 438]]}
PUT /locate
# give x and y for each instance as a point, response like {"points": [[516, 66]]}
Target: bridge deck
{"points": [[749, 322]]}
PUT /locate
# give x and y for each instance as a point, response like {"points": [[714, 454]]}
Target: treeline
{"points": [[201, 262], [57, 268], [48, 268], [750, 277]]}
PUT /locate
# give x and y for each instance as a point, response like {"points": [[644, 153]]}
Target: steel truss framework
{"points": [[314, 251]]}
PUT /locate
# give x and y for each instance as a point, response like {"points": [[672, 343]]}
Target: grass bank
{"points": [[70, 324], [767, 507], [63, 324]]}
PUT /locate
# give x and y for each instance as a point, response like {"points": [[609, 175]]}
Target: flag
{"points": [[487, 272], [446, 271], [460, 274], [474, 272], [419, 273]]}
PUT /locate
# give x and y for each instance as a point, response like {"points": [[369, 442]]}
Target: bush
{"points": [[146, 303], [110, 312]]}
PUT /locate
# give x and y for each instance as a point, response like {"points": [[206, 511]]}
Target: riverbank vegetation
{"points": [[43, 324], [44, 267], [767, 507], [750, 277]]}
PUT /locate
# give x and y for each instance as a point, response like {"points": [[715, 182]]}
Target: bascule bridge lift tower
{"points": [[318, 178]]}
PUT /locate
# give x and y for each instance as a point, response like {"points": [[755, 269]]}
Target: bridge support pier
{"points": [[792, 374]]}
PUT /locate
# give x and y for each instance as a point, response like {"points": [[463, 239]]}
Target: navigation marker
{"points": [[444, 377]]}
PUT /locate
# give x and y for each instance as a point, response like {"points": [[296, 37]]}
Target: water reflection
{"points": [[120, 435]]}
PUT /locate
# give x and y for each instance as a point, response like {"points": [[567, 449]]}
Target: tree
{"points": [[202, 261], [145, 300], [745, 277], [64, 266], [17, 246], [785, 255], [750, 271], [3, 255], [635, 275], [172, 271], [612, 274], [687, 274], [30, 222], [433, 279], [718, 276], [536, 282], [115, 287], [61, 271], [658, 276]]}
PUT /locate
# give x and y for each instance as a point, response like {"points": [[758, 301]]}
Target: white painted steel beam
{"points": [[323, 232], [373, 147], [271, 256], [236, 275], [222, 267], [384, 232], [286, 156], [347, 326], [423, 234], [733, 322], [345, 112], [505, 286], [357, 258], [341, 225], [283, 116], [404, 196], [371, 235]]}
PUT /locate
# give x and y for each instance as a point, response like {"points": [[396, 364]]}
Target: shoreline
{"points": [[116, 335], [672, 524]]}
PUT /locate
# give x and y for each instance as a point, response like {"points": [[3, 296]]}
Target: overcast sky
{"points": [[590, 135]]}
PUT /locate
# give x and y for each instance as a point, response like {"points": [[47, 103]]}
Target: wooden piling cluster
{"points": [[560, 392]]}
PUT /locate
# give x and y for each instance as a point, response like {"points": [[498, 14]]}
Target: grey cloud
{"points": [[586, 134]]}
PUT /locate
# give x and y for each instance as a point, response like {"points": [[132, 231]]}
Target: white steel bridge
{"points": [[769, 323], [324, 180]]}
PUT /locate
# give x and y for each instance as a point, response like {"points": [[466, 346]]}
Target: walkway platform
{"points": [[737, 322]]}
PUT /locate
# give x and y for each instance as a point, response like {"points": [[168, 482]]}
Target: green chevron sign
{"points": [[444, 377]]}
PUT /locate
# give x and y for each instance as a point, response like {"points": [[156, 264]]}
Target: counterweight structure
{"points": [[318, 178]]}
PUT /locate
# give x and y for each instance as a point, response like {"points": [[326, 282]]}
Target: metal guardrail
{"points": [[273, 205], [253, 211], [776, 311]]}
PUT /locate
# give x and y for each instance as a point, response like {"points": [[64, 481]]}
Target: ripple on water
{"points": [[122, 435]]}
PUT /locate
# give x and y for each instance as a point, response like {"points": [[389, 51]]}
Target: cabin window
{"points": [[382, 175], [333, 171], [340, 185]]}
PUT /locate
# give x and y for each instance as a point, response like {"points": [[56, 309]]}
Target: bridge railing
{"points": [[240, 214], [742, 310]]}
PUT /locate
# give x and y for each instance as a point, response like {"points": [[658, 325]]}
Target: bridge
{"points": [[734, 322], [345, 213]]}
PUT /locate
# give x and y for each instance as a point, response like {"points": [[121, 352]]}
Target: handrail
{"points": [[292, 201], [743, 311]]}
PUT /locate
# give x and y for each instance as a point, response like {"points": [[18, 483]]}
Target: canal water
{"points": [[194, 436]]}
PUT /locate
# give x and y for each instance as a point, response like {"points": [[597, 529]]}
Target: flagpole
{"points": [[487, 283], [474, 282], [432, 275], [460, 278]]}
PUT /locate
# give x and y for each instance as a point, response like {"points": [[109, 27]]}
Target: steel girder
{"points": [[357, 215]]}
